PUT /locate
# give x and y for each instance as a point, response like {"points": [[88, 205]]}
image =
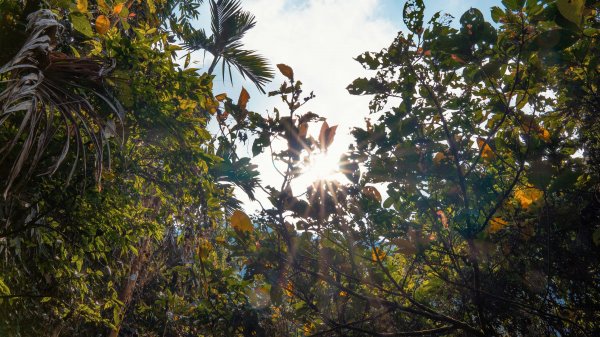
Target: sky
{"points": [[319, 39]]}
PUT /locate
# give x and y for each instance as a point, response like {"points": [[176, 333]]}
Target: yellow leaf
{"points": [[443, 218], [437, 159], [289, 287], [243, 99], [221, 97], [117, 9], [372, 193], [102, 24], [486, 151], [496, 224], [204, 248], [103, 5], [308, 328], [377, 254], [151, 6], [544, 134], [241, 222], [82, 6], [527, 196], [286, 70], [343, 293]]}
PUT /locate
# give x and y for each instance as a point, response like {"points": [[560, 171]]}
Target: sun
{"points": [[320, 167]]}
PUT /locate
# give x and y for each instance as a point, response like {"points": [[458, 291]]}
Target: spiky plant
{"points": [[47, 93], [229, 24]]}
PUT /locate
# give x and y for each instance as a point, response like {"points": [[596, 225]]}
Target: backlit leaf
{"points": [[102, 4], [244, 98], [326, 135], [82, 6], [544, 134], [571, 9], [117, 9], [303, 129], [372, 193], [496, 224], [527, 196], [486, 151], [204, 248], [377, 254], [443, 218], [102, 24], [241, 222], [286, 70], [437, 159], [221, 97], [81, 24]]}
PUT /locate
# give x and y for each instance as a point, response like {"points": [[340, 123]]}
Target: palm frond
{"points": [[229, 24], [198, 40], [223, 12], [47, 92], [250, 64]]}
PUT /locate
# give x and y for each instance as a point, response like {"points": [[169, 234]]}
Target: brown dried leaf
{"points": [[286, 70]]}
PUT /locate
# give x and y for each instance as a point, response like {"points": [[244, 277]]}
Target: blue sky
{"points": [[392, 9], [319, 39]]}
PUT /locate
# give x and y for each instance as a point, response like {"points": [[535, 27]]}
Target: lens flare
{"points": [[320, 166]]}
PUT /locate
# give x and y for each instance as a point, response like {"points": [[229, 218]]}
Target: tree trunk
{"points": [[137, 263]]}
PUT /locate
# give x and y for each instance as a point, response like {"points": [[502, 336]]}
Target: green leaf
{"points": [[556, 39], [151, 6], [81, 24], [511, 4], [497, 13], [4, 289], [413, 15], [571, 10]]}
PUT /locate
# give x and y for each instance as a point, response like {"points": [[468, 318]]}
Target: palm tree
{"points": [[229, 24]]}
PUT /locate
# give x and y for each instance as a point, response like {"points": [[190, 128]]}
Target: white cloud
{"points": [[319, 39]]}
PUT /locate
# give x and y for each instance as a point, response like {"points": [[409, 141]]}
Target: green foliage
{"points": [[475, 137], [130, 243], [470, 205]]}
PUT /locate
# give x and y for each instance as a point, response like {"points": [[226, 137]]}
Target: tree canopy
{"points": [[470, 204]]}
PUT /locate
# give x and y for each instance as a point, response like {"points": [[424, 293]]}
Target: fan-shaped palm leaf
{"points": [[45, 91]]}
